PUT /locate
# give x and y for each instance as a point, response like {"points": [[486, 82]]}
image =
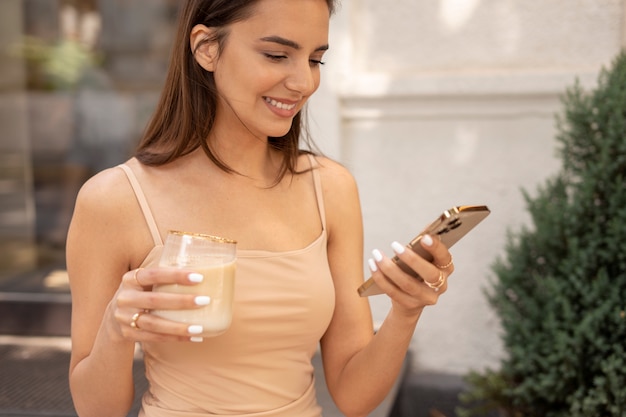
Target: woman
{"points": [[221, 156]]}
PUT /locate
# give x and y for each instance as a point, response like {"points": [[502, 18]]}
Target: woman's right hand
{"points": [[135, 300]]}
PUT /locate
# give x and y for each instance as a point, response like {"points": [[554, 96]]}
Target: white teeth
{"points": [[279, 105]]}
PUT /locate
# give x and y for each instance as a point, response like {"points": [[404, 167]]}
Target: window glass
{"points": [[78, 81]]}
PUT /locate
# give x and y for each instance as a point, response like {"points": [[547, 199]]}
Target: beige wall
{"points": [[435, 104]]}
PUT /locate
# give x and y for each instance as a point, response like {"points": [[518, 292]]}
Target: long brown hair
{"points": [[185, 113]]}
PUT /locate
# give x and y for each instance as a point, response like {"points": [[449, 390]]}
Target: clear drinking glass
{"points": [[213, 257]]}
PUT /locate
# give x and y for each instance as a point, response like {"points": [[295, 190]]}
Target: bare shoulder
{"points": [[107, 190], [107, 218], [341, 198], [106, 203], [336, 178]]}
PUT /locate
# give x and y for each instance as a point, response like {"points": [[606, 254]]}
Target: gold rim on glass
{"points": [[204, 236]]}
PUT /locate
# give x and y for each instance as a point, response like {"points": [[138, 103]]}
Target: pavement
{"points": [[35, 348], [34, 377], [34, 382]]}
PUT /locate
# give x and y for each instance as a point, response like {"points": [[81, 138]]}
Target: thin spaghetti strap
{"points": [[318, 189], [143, 203]]}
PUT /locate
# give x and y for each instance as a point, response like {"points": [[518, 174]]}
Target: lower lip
{"points": [[281, 112]]}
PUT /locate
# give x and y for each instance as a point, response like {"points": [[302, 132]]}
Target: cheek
{"points": [[247, 80], [267, 76]]}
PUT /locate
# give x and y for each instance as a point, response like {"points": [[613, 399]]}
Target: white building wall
{"points": [[436, 103]]}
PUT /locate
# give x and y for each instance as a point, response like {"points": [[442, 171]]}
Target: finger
{"points": [[146, 278], [442, 258], [384, 284], [430, 275], [394, 275], [134, 279], [405, 290], [145, 325], [147, 321], [134, 321], [439, 284], [447, 265], [413, 263], [161, 299]]}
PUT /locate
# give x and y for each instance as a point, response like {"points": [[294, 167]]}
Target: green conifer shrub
{"points": [[560, 288]]}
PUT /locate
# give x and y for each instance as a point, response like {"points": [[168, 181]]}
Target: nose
{"points": [[303, 78]]}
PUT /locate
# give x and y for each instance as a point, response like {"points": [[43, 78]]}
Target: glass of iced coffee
{"points": [[213, 257]]}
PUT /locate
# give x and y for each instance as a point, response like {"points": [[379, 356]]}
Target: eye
{"points": [[316, 62], [275, 58]]}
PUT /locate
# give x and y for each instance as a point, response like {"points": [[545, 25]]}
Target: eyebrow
{"points": [[291, 44]]}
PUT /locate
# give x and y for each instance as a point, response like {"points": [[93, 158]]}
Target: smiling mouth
{"points": [[279, 105]]}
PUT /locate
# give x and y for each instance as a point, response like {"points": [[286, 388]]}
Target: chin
{"points": [[278, 132]]}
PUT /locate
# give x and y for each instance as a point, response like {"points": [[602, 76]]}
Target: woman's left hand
{"points": [[408, 294]]}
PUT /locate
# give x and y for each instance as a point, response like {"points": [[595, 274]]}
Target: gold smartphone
{"points": [[450, 227]]}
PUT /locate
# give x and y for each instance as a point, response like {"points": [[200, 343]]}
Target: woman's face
{"points": [[270, 65]]}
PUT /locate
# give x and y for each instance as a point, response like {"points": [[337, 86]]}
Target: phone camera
{"points": [[452, 224]]}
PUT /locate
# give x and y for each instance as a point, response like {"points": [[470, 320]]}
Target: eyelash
{"points": [[277, 58]]}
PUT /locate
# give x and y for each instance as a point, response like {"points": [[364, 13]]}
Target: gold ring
{"points": [[436, 285], [446, 266], [133, 320], [135, 277]]}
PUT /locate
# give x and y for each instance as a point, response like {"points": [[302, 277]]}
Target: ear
{"points": [[205, 52]]}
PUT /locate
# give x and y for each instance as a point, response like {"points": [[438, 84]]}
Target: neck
{"points": [[249, 160], [248, 155]]}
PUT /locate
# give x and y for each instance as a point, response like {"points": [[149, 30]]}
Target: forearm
{"points": [[370, 374], [102, 382]]}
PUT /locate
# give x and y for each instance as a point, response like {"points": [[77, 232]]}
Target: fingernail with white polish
{"points": [[202, 300], [196, 339], [372, 265], [194, 329], [377, 255], [428, 241], [397, 248], [195, 277]]}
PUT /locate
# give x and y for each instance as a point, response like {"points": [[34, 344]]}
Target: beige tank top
{"points": [[261, 367]]}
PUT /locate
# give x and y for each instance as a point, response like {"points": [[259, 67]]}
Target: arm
{"points": [[361, 368], [98, 254], [107, 239]]}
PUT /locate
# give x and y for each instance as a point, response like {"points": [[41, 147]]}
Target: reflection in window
{"points": [[84, 76]]}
